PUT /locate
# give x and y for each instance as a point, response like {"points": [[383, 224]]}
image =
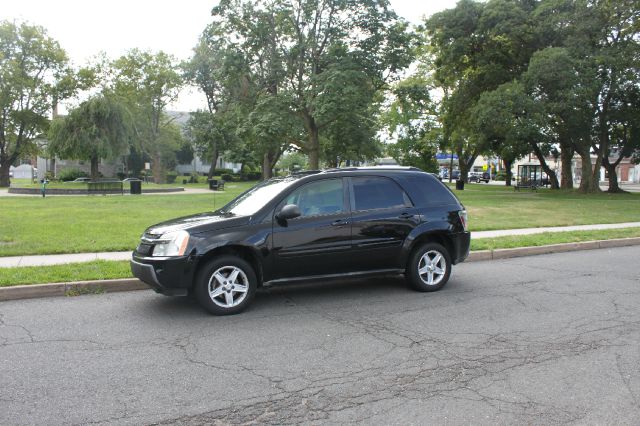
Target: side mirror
{"points": [[290, 211]]}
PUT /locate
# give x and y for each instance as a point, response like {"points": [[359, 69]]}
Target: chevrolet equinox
{"points": [[349, 222]]}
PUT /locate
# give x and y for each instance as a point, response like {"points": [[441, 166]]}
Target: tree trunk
{"points": [[267, 172], [553, 178], [156, 167], [566, 156], [465, 164], [5, 164], [94, 167], [313, 146], [214, 161], [508, 164], [587, 183], [614, 187]]}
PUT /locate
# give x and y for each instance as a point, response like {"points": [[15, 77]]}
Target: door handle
{"points": [[339, 222], [406, 215]]}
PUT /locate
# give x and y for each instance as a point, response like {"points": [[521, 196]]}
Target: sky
{"points": [[85, 28]]}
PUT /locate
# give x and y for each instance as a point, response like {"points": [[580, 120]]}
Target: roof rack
{"points": [[347, 169]]}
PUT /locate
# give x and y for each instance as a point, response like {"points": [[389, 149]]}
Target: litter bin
{"points": [[136, 186], [213, 184], [460, 184]]}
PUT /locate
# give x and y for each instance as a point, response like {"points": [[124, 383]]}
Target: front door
{"points": [[319, 241]]}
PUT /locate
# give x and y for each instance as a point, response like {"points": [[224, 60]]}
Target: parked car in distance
{"points": [[486, 177], [473, 177], [82, 179], [455, 175], [132, 179], [330, 224]]}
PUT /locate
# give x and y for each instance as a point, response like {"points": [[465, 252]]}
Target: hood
{"points": [[198, 223]]}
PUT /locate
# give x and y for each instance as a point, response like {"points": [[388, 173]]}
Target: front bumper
{"points": [[169, 276]]}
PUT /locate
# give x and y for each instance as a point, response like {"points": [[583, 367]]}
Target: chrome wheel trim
{"points": [[228, 286], [432, 267]]}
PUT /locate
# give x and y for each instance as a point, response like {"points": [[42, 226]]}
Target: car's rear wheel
{"points": [[429, 267], [226, 285]]}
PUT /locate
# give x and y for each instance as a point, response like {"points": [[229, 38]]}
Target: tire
{"points": [[431, 251], [226, 276]]}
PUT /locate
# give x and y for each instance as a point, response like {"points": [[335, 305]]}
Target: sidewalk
{"points": [[58, 259]]}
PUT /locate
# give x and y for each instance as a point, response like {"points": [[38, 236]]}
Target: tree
{"points": [[30, 65], [474, 48], [411, 119], [209, 135], [148, 82], [598, 44], [514, 125], [301, 50], [98, 128]]}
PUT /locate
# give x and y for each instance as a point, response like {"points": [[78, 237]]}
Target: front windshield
{"points": [[251, 201]]}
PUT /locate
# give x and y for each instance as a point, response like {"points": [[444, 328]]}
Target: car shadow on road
{"points": [[277, 297]]}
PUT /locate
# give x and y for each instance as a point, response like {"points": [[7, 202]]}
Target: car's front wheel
{"points": [[429, 267], [226, 285]]}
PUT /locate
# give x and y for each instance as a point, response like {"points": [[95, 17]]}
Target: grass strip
{"points": [[105, 269], [548, 238], [86, 271]]}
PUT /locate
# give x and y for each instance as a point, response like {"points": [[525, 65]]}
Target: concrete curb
{"points": [[129, 284], [70, 289], [482, 255]]}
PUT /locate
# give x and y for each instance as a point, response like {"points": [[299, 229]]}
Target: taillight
{"points": [[463, 218]]}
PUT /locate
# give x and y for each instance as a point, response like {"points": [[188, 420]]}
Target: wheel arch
{"points": [[434, 236], [246, 253]]}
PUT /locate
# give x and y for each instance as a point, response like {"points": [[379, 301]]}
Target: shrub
{"points": [[171, 177], [66, 175], [254, 175]]}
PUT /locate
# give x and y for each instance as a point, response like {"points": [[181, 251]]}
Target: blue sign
{"points": [[444, 156]]}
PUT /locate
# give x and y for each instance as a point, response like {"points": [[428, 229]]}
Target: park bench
{"points": [[216, 185], [105, 187], [532, 185]]}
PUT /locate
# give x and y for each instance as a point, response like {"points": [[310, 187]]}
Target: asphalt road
{"points": [[539, 340]]}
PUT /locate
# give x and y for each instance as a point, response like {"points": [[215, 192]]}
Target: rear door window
{"points": [[427, 190], [371, 193]]}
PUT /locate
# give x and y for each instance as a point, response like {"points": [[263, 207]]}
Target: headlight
{"points": [[171, 244]]}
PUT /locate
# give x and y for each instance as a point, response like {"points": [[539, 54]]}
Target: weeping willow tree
{"points": [[99, 128]]}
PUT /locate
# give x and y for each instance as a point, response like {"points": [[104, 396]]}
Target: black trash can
{"points": [[460, 184], [213, 184], [136, 187]]}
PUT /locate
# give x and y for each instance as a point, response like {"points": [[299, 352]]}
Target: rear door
{"points": [[383, 216], [319, 241]]}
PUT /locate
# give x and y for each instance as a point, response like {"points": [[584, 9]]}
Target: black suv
{"points": [[315, 225]]}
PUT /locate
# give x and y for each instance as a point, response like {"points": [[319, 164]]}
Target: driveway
{"points": [[538, 340]]}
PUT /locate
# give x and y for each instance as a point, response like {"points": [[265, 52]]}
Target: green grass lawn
{"points": [[497, 207], [74, 224]]}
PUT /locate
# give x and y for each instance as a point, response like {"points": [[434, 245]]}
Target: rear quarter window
{"points": [[426, 190]]}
